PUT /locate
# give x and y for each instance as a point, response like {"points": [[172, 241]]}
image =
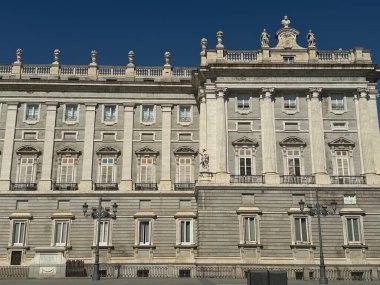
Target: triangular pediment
{"points": [[146, 151], [107, 150], [339, 142], [245, 141], [28, 150], [68, 150], [292, 141], [185, 150]]}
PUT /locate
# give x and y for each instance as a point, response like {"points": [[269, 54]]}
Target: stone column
{"points": [[372, 111], [268, 137], [317, 140], [221, 137], [365, 135], [88, 148], [166, 183], [7, 151], [211, 128], [47, 156], [202, 121], [126, 175]]}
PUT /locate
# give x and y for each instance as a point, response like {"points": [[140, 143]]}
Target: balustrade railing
{"points": [[111, 71], [36, 69], [348, 180], [240, 55], [294, 179], [5, 69], [182, 72], [106, 186], [184, 186], [74, 70], [256, 179], [334, 56], [65, 186], [23, 186], [146, 186], [148, 71]]}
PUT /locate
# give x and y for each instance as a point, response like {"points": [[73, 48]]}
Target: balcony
{"points": [[184, 186], [301, 179], [348, 180], [106, 186], [146, 186], [255, 179], [23, 186], [65, 186]]}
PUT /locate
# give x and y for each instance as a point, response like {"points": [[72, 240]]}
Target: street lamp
{"points": [[319, 210], [98, 214]]}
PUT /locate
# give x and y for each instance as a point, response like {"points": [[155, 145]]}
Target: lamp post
{"points": [[99, 213], [319, 210]]}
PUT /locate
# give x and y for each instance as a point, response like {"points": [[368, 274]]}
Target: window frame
{"points": [[25, 232], [26, 118], [334, 109], [290, 111], [299, 226], [106, 152], [188, 122], [139, 242], [334, 128], [248, 100], [115, 118], [109, 233], [191, 229], [242, 233], [288, 157], [295, 123], [346, 226], [67, 235], [154, 112], [65, 109]]}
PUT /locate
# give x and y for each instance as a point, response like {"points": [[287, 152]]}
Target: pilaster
{"points": [[202, 120], [316, 132], [126, 175], [88, 151], [7, 152], [268, 137], [166, 183], [211, 127], [45, 182]]}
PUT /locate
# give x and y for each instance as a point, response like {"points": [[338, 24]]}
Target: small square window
{"points": [[243, 102], [71, 113], [70, 136], [148, 115], [290, 102], [184, 136], [32, 112], [339, 126], [337, 103], [147, 136], [109, 113], [185, 114], [244, 126], [288, 59], [291, 126]]}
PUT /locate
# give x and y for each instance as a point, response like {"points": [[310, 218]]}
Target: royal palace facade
{"points": [[207, 165]]}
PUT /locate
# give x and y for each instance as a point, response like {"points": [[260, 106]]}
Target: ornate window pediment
{"points": [[107, 150], [245, 141], [293, 142], [28, 150], [341, 143], [146, 151], [67, 150], [185, 150]]}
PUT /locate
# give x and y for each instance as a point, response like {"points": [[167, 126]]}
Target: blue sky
{"points": [[151, 27]]}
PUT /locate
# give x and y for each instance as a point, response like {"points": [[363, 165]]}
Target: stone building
{"points": [[207, 165]]}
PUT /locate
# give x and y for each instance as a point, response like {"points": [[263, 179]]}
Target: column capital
{"points": [[267, 92], [314, 93], [166, 107], [362, 92], [221, 91], [90, 106], [12, 105]]}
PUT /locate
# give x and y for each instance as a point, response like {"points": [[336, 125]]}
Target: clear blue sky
{"points": [[151, 27]]}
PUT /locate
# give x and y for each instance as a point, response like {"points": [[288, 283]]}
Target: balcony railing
{"points": [[301, 179], [256, 179], [65, 186], [348, 180], [184, 186], [146, 186], [106, 186], [23, 186]]}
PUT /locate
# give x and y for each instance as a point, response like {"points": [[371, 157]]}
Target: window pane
{"points": [[148, 114], [249, 229], [185, 114]]}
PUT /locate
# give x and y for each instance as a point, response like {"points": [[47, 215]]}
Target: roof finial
{"points": [[285, 22]]}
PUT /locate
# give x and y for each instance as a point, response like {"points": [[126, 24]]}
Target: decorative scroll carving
{"points": [[293, 141]]}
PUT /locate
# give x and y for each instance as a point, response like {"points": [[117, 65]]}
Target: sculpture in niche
{"points": [[204, 159], [311, 39], [264, 39]]}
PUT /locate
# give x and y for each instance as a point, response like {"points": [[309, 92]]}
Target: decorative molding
{"points": [[341, 142], [146, 151], [68, 150], [245, 141], [107, 150], [185, 150], [25, 150], [292, 141]]}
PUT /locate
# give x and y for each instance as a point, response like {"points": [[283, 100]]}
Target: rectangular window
{"points": [[294, 162], [71, 112], [61, 232], [104, 233], [184, 136], [243, 102], [353, 230], [147, 170], [144, 232], [291, 126], [26, 174], [301, 230], [342, 163], [185, 173], [244, 126], [185, 114], [107, 170], [67, 170], [30, 135], [288, 59], [290, 102], [186, 231], [339, 126], [337, 103], [245, 162], [19, 229], [148, 113], [109, 113], [249, 229], [32, 112]]}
